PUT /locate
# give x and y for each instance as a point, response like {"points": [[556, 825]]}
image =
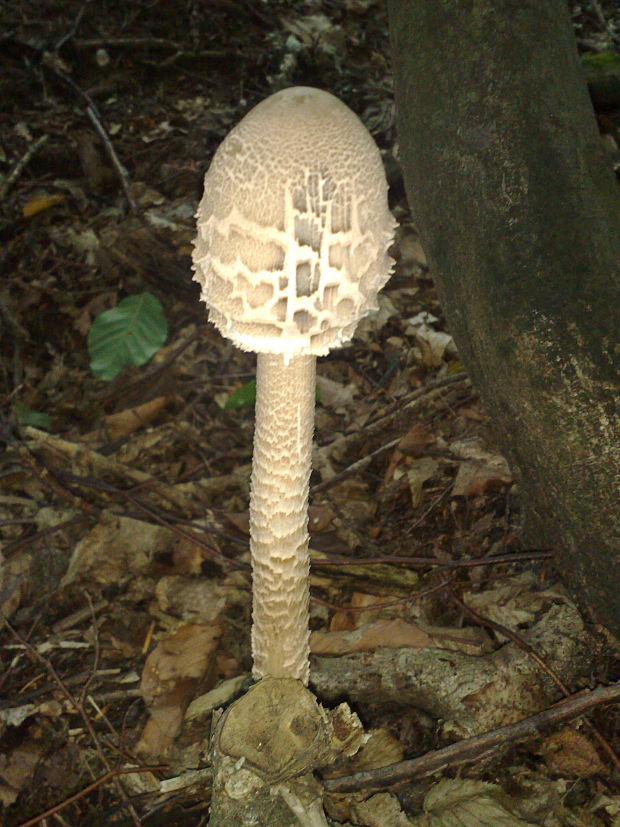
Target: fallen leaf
{"points": [[467, 803], [116, 549], [475, 478], [40, 203], [335, 394], [418, 472], [433, 344], [393, 634], [417, 440], [343, 620], [378, 811], [17, 768], [571, 753], [378, 750], [480, 469], [172, 671], [14, 578], [126, 422], [196, 599], [515, 601]]}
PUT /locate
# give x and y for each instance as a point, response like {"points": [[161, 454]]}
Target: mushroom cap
{"points": [[294, 226]]}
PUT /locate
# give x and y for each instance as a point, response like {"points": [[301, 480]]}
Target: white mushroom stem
{"points": [[281, 464], [291, 250]]}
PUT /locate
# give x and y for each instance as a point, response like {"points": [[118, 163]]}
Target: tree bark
{"points": [[519, 215]]}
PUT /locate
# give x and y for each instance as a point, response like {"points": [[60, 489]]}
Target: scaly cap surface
{"points": [[294, 227]]}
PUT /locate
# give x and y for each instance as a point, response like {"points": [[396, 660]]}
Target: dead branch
{"points": [[474, 748], [152, 42], [79, 708], [522, 644], [102, 780], [20, 165]]}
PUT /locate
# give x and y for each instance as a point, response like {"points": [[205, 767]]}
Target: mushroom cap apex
{"points": [[294, 226]]}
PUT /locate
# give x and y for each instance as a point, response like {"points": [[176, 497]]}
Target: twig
{"points": [[412, 400], [155, 42], [74, 27], [43, 474], [86, 790], [428, 510], [79, 616], [15, 545], [354, 468], [604, 22], [470, 749], [438, 565], [79, 709], [153, 516], [95, 118], [398, 602], [522, 644], [20, 165], [97, 652], [91, 111]]}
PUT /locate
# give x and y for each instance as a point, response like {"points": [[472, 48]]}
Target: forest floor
{"points": [[124, 575]]}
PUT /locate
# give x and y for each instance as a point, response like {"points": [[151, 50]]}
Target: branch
{"points": [[473, 748]]}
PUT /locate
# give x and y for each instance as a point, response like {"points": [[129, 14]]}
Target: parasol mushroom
{"points": [[291, 251]]}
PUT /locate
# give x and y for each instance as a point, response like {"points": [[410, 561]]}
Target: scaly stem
{"points": [[281, 467]]}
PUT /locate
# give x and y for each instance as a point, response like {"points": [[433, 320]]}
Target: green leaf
{"points": [[601, 60], [129, 334], [25, 416], [243, 397]]}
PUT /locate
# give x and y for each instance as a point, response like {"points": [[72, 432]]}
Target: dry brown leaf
{"points": [[320, 517], [393, 634], [181, 656], [417, 440], [571, 753], [390, 633], [126, 422], [420, 471], [195, 599], [41, 203], [515, 601], [481, 468], [116, 549], [380, 810], [335, 394], [380, 749], [171, 673], [13, 581], [16, 769], [474, 478], [187, 557], [163, 724], [344, 620]]}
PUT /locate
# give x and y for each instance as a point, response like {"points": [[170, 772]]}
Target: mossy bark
{"points": [[519, 215]]}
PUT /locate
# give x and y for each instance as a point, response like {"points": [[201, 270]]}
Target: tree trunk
{"points": [[519, 214]]}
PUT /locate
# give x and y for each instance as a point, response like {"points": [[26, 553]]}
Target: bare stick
{"points": [[474, 748], [604, 22], [103, 780], [19, 166], [73, 29], [77, 705], [123, 175]]}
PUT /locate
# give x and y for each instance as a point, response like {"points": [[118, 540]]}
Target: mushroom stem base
{"points": [[281, 468]]}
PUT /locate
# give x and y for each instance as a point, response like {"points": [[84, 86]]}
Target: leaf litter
{"points": [[124, 576]]}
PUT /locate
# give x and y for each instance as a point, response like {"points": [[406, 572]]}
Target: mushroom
{"points": [[291, 250]]}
